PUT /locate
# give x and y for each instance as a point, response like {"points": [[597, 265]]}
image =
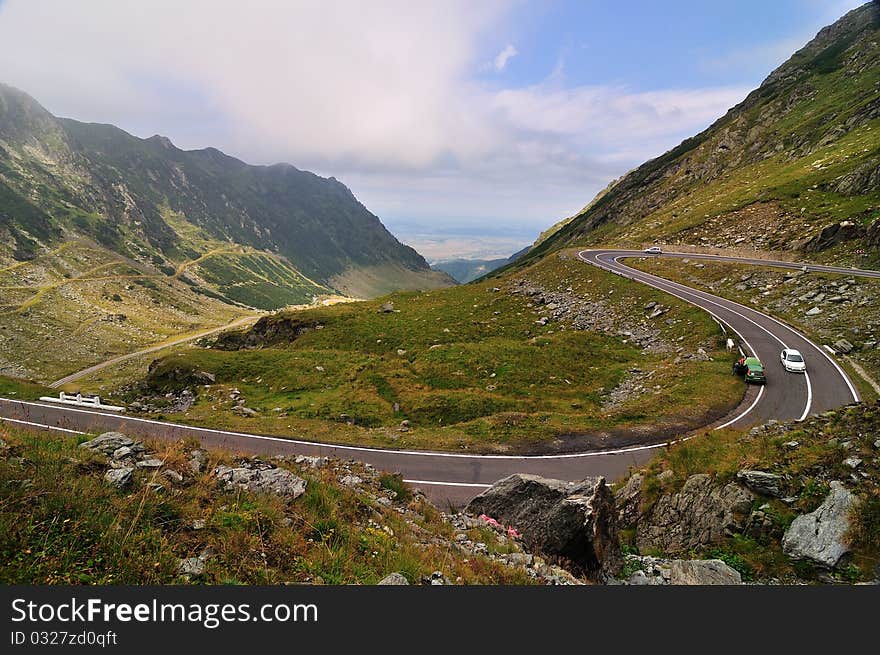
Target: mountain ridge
{"points": [[98, 180], [823, 101]]}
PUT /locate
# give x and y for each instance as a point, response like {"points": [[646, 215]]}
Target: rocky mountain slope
{"points": [[223, 223], [795, 166]]}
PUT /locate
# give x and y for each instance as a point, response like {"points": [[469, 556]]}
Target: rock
{"points": [[791, 445], [519, 559], [386, 308], [245, 411], [311, 462], [813, 311], [436, 578], [702, 513], [173, 475], [110, 442], [843, 346], [151, 463], [122, 452], [350, 480], [761, 482], [198, 524], [655, 571], [853, 462], [663, 476], [119, 478], [573, 520], [820, 536], [277, 481], [833, 234], [198, 461], [628, 500], [193, 566], [702, 572], [394, 579]]}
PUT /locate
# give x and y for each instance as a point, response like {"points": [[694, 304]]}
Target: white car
{"points": [[653, 250], [793, 361]]}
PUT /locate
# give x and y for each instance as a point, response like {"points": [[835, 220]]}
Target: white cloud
{"points": [[501, 59], [383, 95]]}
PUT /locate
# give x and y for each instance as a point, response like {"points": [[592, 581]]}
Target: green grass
{"points": [[25, 389], [468, 367], [60, 524]]}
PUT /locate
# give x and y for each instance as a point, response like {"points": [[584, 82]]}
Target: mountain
{"points": [[468, 270], [228, 223], [794, 166]]}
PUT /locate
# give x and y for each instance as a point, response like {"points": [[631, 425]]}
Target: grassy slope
{"points": [[857, 319], [60, 524], [789, 143], [81, 304], [824, 443], [469, 367]]}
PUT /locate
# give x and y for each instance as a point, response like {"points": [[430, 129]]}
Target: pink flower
{"points": [[512, 532], [490, 521]]}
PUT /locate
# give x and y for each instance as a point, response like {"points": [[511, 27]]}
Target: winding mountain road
{"points": [[453, 478]]}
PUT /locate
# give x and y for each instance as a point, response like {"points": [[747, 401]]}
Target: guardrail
{"points": [[80, 400]]}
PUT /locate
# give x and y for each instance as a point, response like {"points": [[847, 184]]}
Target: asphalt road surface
{"points": [[454, 478]]}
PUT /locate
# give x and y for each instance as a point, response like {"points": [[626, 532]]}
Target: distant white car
{"points": [[793, 361], [653, 250]]}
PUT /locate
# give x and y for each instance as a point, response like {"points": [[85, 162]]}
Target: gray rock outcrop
{"points": [[761, 482], [655, 571], [571, 520], [702, 513], [819, 536], [109, 442], [628, 500], [271, 480]]}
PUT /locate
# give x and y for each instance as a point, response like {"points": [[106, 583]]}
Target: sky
{"points": [[467, 127]]}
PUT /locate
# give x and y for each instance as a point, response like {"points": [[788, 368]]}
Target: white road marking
{"points": [[771, 263], [449, 484], [40, 425], [318, 444], [809, 397], [751, 407], [702, 295]]}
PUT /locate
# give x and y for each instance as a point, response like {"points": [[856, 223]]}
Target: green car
{"points": [[751, 369]]}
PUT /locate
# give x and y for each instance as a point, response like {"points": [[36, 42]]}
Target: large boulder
{"points": [[702, 513], [109, 442], [270, 480], [575, 521], [819, 536]]}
